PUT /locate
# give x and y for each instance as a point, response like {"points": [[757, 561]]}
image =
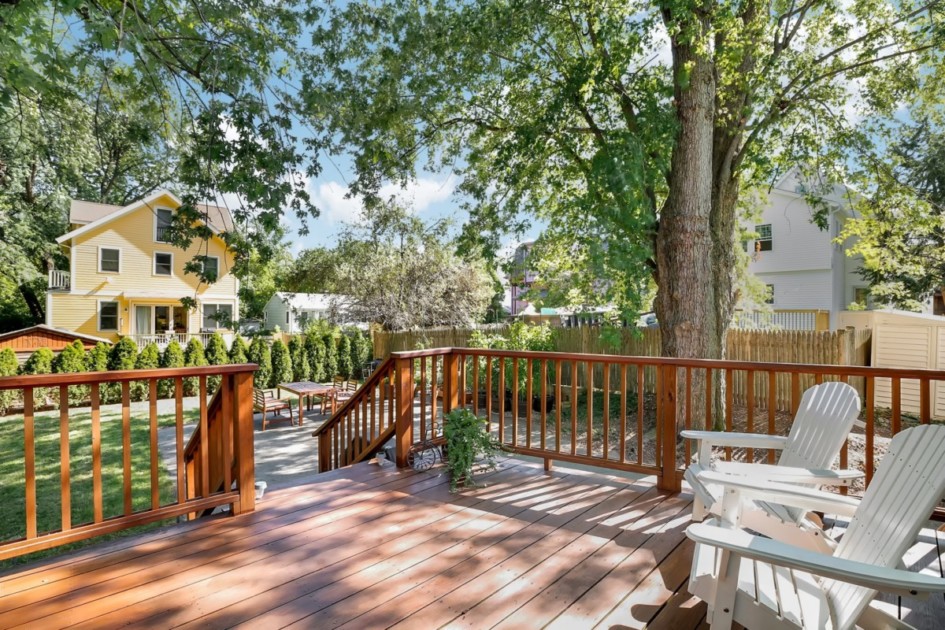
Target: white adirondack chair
{"points": [[824, 418], [764, 583]]}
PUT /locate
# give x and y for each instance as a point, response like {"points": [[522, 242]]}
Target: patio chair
{"points": [[265, 402], [764, 583], [344, 390], [824, 418]]}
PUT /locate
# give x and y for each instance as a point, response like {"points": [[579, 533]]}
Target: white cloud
{"points": [[417, 196]]}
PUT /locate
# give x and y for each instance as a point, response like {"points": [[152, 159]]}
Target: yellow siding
{"points": [[135, 282]]}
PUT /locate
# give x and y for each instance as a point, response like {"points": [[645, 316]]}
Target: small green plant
{"points": [[96, 359], [281, 364], [260, 354], [216, 355], [8, 367], [173, 357], [148, 359], [194, 356], [238, 350], [468, 443]]}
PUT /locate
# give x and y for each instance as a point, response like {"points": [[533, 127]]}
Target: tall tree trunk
{"points": [[33, 303]]}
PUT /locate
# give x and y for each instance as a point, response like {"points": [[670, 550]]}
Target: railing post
{"points": [[243, 442], [324, 452], [451, 382], [403, 399], [667, 479]]}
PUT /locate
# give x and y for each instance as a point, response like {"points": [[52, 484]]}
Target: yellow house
{"points": [[124, 279]]}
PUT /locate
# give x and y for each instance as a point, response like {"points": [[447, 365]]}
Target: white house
{"points": [[799, 262], [290, 311]]}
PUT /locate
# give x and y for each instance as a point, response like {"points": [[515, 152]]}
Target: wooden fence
{"points": [[841, 347], [407, 340]]}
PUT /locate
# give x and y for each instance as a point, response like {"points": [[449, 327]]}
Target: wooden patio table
{"points": [[307, 389]]}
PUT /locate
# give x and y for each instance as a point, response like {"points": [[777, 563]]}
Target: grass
{"points": [[12, 472]]}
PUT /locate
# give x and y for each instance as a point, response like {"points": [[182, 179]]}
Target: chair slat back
{"points": [[259, 398], [908, 484], [822, 423]]}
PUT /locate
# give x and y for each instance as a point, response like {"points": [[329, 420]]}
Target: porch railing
{"points": [[227, 451], [626, 413], [163, 339], [59, 280]]}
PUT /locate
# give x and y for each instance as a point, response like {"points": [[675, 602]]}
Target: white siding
{"points": [[797, 244], [801, 289]]}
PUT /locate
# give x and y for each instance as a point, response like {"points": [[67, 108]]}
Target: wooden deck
{"points": [[366, 547]]}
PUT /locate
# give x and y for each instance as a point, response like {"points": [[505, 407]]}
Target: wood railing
{"points": [[228, 420], [362, 424], [538, 404]]}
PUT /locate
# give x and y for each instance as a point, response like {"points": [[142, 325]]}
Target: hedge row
{"points": [[312, 356]]}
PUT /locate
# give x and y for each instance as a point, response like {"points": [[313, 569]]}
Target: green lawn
{"points": [[12, 472]]}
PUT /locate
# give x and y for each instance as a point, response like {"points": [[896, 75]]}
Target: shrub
{"points": [[148, 359], [69, 361], [300, 366], [40, 362], [8, 367], [281, 364], [467, 442], [194, 356], [238, 351], [260, 354], [315, 352], [520, 336], [216, 355], [330, 363], [172, 357], [361, 350], [121, 356], [96, 359], [345, 366]]}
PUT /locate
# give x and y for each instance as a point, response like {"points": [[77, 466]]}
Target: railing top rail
{"points": [[799, 368], [86, 378]]}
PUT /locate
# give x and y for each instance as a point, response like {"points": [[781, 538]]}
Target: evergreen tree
{"points": [[216, 355], [40, 362], [360, 353], [315, 351], [96, 359], [8, 367], [330, 362], [238, 351], [260, 354], [345, 365], [69, 361], [148, 359], [121, 356], [173, 357], [281, 364], [301, 370], [194, 356]]}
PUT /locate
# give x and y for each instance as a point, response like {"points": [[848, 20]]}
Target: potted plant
{"points": [[468, 444]]}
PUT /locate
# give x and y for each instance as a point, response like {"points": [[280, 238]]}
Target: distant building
{"points": [[291, 311]]}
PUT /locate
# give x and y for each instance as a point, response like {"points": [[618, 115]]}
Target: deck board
{"points": [[371, 547]]}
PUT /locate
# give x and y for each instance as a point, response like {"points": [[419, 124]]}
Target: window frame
{"points": [[102, 248], [154, 271], [157, 216], [759, 239], [216, 323], [117, 316], [204, 265], [770, 298]]}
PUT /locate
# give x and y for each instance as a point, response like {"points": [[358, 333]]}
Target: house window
{"points": [[769, 290], [763, 242], [211, 268], [861, 296], [109, 260], [162, 223], [108, 315], [163, 264], [217, 316]]}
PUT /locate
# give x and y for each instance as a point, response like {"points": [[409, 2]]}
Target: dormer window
{"points": [[162, 224]]}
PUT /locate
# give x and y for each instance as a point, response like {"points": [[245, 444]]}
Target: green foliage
{"points": [[71, 360], [216, 355], [194, 356], [173, 357], [123, 355], [281, 364], [301, 370], [261, 277], [148, 359], [40, 362], [345, 365], [315, 353], [238, 350], [520, 336], [361, 351], [330, 362], [96, 359], [260, 354], [8, 367], [468, 444]]}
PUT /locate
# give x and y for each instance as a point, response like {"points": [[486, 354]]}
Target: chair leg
{"points": [[699, 511]]}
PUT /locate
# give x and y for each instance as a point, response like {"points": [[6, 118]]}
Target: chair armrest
{"points": [[741, 543], [785, 494], [737, 440], [789, 474]]}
